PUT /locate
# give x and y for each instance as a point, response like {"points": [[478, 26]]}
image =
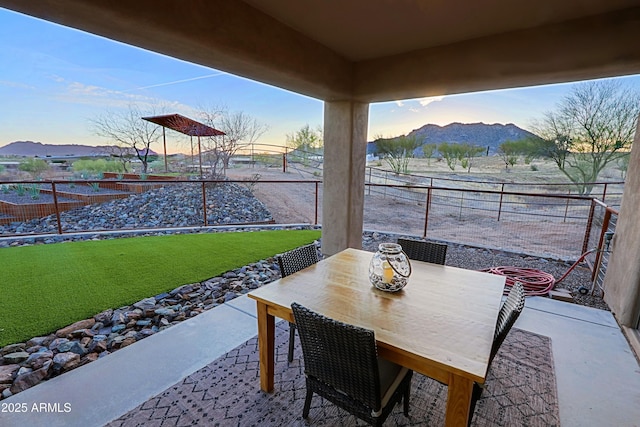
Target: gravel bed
{"points": [[27, 199], [177, 205]]}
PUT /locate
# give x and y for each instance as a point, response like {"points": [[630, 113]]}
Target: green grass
{"points": [[46, 287]]}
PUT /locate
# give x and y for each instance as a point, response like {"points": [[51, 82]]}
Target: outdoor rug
{"points": [[520, 391]]}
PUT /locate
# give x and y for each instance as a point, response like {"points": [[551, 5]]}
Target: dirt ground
{"points": [[296, 202]]}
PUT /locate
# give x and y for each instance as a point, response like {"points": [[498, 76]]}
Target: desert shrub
{"points": [[97, 166], [33, 166]]}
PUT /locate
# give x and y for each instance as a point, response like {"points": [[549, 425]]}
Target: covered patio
{"points": [[351, 54]]}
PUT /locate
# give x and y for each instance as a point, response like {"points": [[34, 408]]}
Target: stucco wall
{"points": [[622, 281]]}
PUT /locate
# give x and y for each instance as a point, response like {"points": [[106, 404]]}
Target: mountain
{"points": [[471, 133], [481, 134], [38, 149]]}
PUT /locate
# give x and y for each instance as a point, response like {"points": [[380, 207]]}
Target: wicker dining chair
{"points": [[509, 313], [289, 263], [341, 365], [421, 250]]}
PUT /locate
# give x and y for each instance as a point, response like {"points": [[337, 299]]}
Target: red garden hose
{"points": [[535, 282]]}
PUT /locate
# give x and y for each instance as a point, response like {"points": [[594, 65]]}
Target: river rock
{"points": [[37, 360], [82, 324], [30, 379], [17, 357], [12, 348], [6, 373], [65, 361], [146, 303]]}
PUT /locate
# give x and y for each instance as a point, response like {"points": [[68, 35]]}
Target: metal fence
{"points": [[537, 224], [72, 206], [545, 225], [609, 192]]}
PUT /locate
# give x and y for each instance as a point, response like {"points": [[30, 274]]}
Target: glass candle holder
{"points": [[389, 268]]}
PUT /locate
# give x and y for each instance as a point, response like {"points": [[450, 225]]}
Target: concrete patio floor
{"points": [[597, 374]]}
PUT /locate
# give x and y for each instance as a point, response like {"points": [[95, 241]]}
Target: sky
{"points": [[55, 80]]}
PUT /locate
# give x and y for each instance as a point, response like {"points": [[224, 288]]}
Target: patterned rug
{"points": [[520, 391]]}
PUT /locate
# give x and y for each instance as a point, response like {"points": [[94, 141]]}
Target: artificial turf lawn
{"points": [[46, 287]]}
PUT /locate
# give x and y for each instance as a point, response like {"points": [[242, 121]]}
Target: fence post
{"points": [[284, 162], [385, 184], [316, 220], [604, 191], [55, 203], [587, 232], [566, 208], [426, 212], [500, 205], [369, 188], [204, 203]]}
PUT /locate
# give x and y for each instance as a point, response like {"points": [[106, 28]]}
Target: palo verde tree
{"points": [[463, 153], [511, 151], [397, 151], [131, 135], [591, 127], [305, 142], [428, 150], [449, 153], [467, 153]]}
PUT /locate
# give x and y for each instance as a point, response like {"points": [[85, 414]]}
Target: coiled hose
{"points": [[535, 282]]}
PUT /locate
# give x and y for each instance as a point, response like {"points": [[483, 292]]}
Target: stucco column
{"points": [[345, 152], [622, 281]]}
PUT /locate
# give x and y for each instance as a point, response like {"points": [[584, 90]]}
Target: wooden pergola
{"points": [[186, 126]]}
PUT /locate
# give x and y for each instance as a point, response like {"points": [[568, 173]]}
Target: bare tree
{"points": [[592, 126], [128, 131], [240, 131], [121, 154]]}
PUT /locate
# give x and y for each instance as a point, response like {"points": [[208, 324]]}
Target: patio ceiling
{"points": [[372, 51]]}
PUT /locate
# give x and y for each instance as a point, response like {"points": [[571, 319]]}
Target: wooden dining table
{"points": [[440, 325]]}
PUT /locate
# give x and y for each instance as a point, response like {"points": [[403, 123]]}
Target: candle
{"points": [[387, 272]]}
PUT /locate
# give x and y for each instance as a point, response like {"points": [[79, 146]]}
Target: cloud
{"points": [[17, 85], [422, 101], [428, 100], [80, 93]]}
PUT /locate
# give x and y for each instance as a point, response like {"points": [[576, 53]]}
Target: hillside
{"points": [[38, 149], [485, 135]]}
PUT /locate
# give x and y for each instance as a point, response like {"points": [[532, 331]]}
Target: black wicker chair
{"points": [[290, 262], [509, 313], [420, 250], [341, 365]]}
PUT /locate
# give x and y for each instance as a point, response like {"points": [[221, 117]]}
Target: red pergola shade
{"points": [[184, 125]]}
